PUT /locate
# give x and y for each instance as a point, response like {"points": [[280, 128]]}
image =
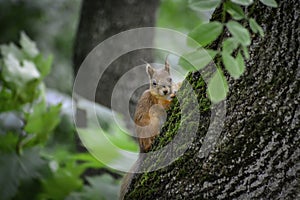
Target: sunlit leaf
{"points": [[100, 145], [239, 32], [28, 46], [271, 3], [243, 2], [206, 33], [88, 161], [255, 27], [168, 11], [203, 5], [217, 87], [234, 10], [11, 49], [21, 75], [17, 74], [197, 60], [122, 139]]}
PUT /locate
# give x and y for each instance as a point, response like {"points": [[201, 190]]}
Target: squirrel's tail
{"points": [[126, 182]]}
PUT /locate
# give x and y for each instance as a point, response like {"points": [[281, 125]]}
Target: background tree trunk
{"points": [[102, 19], [257, 155]]}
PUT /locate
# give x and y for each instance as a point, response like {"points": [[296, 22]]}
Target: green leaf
{"points": [[12, 49], [240, 61], [235, 66], [100, 146], [98, 143], [229, 45], [121, 139], [66, 174], [88, 161], [217, 87], [9, 175], [197, 60], [246, 52], [18, 75], [28, 46], [231, 65], [239, 32], [168, 11], [255, 27], [271, 3], [43, 65], [204, 34], [14, 169], [42, 120], [203, 5], [8, 142], [101, 186], [243, 2], [235, 11], [61, 184], [7, 100]]}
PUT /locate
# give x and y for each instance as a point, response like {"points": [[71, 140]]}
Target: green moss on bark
{"points": [[141, 188], [257, 154]]}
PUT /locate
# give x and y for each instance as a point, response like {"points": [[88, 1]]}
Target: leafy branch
{"points": [[233, 50]]}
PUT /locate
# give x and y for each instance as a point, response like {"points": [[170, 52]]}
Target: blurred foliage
{"points": [[52, 24], [176, 15], [38, 159], [22, 14]]}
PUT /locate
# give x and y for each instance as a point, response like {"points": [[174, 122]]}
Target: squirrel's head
{"points": [[160, 81]]}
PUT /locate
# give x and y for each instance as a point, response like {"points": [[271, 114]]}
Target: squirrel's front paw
{"points": [[175, 88], [158, 111]]}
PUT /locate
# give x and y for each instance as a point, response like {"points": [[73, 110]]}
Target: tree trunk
{"points": [[257, 154], [102, 19], [99, 20]]}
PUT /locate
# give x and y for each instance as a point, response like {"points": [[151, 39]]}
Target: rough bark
{"points": [[257, 155]]}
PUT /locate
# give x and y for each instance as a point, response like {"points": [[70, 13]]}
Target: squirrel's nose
{"points": [[165, 92]]}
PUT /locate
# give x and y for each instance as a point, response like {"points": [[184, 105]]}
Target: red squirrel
{"points": [[150, 113]]}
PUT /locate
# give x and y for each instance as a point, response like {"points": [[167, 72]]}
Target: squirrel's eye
{"points": [[170, 80], [154, 83]]}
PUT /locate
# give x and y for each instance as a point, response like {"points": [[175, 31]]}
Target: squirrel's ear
{"points": [[167, 66], [150, 70]]}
